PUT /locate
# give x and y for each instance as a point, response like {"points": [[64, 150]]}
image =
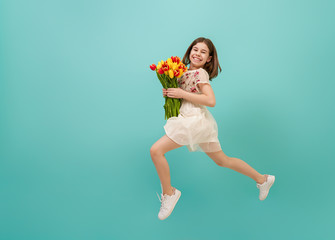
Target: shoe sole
{"points": [[174, 204], [274, 178]]}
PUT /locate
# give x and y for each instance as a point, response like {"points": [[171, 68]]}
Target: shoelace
{"points": [[162, 200], [159, 197]]}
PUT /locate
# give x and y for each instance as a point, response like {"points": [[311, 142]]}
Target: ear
{"points": [[209, 59]]}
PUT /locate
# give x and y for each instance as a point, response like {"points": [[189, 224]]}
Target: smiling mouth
{"points": [[196, 59]]}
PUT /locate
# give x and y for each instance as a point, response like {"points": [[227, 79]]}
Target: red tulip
{"points": [[153, 67], [165, 67], [160, 71], [176, 72]]}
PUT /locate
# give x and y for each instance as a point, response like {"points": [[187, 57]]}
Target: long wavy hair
{"points": [[213, 65]]}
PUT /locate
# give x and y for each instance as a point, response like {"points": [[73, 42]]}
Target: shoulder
{"points": [[203, 73]]}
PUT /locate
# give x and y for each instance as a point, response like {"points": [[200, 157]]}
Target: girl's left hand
{"points": [[175, 92]]}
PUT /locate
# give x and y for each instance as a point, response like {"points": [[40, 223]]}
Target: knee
{"points": [[154, 152], [224, 162]]}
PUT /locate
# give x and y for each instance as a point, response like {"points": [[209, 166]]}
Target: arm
{"points": [[206, 98]]}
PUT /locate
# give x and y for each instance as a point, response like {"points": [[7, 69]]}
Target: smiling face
{"points": [[199, 56]]}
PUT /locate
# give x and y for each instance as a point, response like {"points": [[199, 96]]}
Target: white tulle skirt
{"points": [[194, 127]]}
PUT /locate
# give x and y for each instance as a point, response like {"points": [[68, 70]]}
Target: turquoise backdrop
{"points": [[80, 109]]}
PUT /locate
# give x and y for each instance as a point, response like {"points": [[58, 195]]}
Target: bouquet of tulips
{"points": [[167, 72]]}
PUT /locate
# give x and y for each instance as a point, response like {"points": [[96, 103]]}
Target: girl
{"points": [[195, 127]]}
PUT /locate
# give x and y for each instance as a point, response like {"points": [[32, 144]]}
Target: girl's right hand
{"points": [[164, 92]]}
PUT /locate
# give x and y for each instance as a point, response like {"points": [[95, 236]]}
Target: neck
{"points": [[194, 68]]}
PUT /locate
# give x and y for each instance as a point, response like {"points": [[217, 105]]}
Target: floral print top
{"points": [[190, 79]]}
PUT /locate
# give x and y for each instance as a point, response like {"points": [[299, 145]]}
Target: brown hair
{"points": [[212, 66]]}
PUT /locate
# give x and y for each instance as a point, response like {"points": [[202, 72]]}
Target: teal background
{"points": [[80, 109]]}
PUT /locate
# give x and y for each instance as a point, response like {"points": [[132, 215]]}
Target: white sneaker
{"points": [[265, 187], [168, 202]]}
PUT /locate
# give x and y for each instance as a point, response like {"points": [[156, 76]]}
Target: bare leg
{"points": [[157, 152], [236, 164]]}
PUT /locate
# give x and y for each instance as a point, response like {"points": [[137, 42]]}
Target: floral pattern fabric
{"points": [[189, 80]]}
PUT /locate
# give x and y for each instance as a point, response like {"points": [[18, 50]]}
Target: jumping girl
{"points": [[195, 126]]}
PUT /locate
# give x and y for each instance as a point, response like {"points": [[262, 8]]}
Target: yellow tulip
{"points": [[180, 73], [171, 75], [159, 66], [162, 62], [174, 66]]}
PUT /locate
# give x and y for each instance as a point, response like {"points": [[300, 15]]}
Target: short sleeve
{"points": [[202, 77]]}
